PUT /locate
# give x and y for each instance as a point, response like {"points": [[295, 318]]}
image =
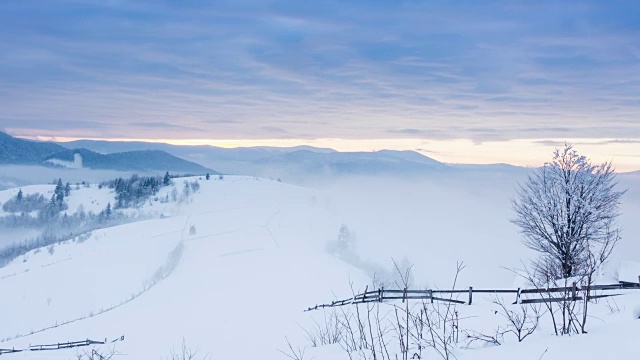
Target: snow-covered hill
{"points": [[256, 259], [230, 268]]}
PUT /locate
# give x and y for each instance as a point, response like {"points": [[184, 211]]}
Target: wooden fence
{"points": [[9, 351], [569, 293], [67, 345], [58, 346]]}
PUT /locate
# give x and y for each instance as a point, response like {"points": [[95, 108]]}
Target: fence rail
{"points": [[569, 293], [66, 345], [59, 346], [9, 351]]}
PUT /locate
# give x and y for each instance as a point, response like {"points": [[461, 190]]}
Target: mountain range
{"points": [[300, 164], [16, 151], [292, 163]]}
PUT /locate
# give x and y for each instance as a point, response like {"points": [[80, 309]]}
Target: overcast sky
{"points": [[483, 71]]}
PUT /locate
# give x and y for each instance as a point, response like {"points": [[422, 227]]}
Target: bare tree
{"points": [[522, 320], [567, 209], [103, 353], [442, 321], [402, 328], [567, 212], [328, 331], [187, 353], [597, 256], [294, 354]]}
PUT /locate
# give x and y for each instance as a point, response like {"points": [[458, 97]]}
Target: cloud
{"points": [[331, 69], [620, 141], [162, 126], [554, 143], [558, 143], [407, 131], [51, 124]]}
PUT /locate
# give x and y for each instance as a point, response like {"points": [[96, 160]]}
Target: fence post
{"points": [[364, 294], [404, 295], [470, 294], [638, 280], [380, 294], [573, 291], [518, 297], [431, 295]]}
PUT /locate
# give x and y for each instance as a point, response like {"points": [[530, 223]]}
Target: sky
{"points": [[463, 81]]}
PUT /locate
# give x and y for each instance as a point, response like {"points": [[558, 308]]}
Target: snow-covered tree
{"points": [[346, 240], [567, 212], [344, 246]]}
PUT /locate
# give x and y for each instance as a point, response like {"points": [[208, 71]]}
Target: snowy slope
{"points": [[238, 285], [257, 258], [80, 198]]}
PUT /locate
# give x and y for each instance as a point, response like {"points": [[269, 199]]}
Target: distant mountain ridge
{"points": [[25, 152], [15, 151], [143, 160], [300, 164], [286, 162], [351, 163], [220, 153]]}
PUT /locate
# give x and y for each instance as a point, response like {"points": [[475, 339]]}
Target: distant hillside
{"points": [[350, 163], [300, 164], [226, 160], [145, 160], [291, 163], [287, 162], [240, 153], [15, 151], [24, 152]]}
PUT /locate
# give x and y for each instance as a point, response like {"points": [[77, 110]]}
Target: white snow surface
{"points": [[238, 285], [257, 259]]}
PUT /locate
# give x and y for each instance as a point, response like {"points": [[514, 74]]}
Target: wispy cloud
{"points": [[356, 69]]}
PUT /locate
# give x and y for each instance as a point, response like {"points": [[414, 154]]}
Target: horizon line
{"points": [[528, 153]]}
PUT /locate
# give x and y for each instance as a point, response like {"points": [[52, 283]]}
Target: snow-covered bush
{"points": [[195, 186], [173, 258], [25, 203], [55, 228]]}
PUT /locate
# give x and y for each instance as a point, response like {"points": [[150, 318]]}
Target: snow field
{"points": [[258, 258]]}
